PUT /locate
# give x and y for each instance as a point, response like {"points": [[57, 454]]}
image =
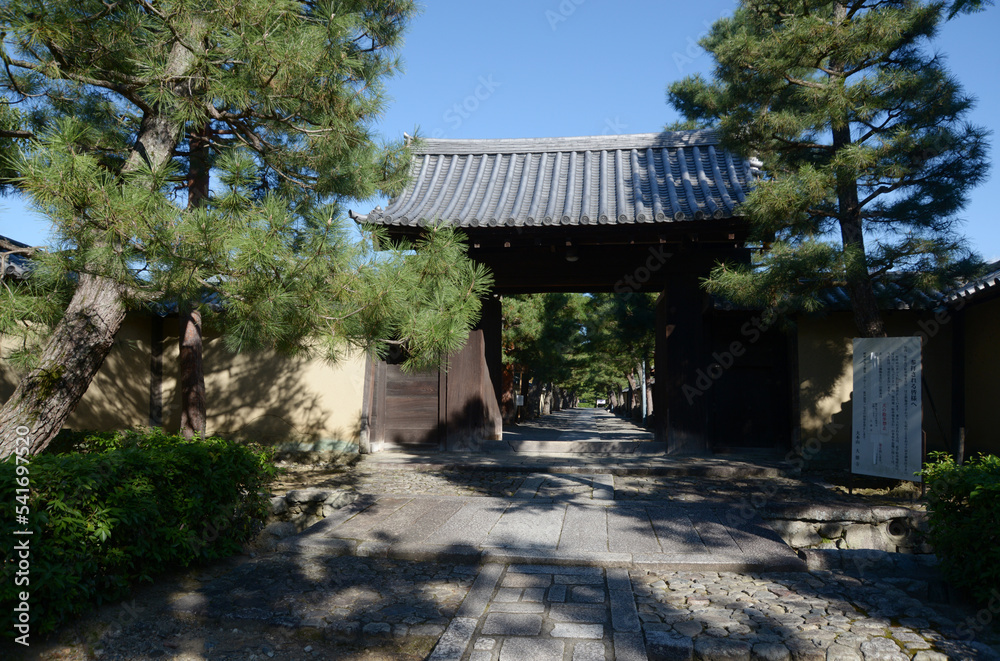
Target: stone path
{"points": [[529, 561], [545, 613], [586, 531], [578, 430], [303, 605]]}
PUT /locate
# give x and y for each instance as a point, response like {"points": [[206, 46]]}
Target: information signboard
{"points": [[887, 439]]}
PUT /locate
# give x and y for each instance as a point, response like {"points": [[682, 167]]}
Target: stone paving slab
{"points": [[593, 618], [608, 533]]}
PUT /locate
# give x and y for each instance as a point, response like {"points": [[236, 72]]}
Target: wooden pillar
{"points": [[367, 404], [679, 404], [491, 323], [958, 386], [794, 389]]}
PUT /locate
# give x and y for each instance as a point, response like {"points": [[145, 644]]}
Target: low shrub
{"points": [[963, 504], [131, 505]]}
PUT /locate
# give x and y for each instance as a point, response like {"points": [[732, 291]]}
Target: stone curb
{"points": [[746, 471], [880, 528], [847, 512], [471, 555]]}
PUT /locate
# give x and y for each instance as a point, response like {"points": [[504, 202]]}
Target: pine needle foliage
{"points": [[620, 336], [101, 102], [866, 152]]}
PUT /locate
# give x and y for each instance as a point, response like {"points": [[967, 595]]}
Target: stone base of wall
{"points": [[316, 452], [850, 527], [299, 509]]}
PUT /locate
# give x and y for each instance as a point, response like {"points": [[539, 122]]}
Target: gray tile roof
{"points": [[598, 180], [890, 296], [14, 265], [972, 289]]}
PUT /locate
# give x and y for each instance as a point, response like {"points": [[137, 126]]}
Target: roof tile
{"points": [[598, 180]]}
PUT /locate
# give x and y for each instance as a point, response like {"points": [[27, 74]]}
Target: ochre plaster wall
{"points": [[826, 378], [256, 396], [270, 398], [118, 397]]}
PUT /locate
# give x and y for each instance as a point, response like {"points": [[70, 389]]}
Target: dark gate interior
{"points": [[629, 213], [749, 394]]}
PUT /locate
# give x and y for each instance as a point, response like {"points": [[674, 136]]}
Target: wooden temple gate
{"points": [[630, 213]]}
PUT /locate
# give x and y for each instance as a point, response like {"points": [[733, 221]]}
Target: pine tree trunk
{"points": [[194, 411], [867, 316], [192, 383], [84, 336], [49, 393]]}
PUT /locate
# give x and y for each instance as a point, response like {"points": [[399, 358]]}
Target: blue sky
{"points": [[538, 68]]}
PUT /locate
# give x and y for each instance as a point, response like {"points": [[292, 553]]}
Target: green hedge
{"points": [[121, 508], [963, 504]]}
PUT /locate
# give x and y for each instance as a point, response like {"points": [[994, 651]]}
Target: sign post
{"points": [[887, 439]]}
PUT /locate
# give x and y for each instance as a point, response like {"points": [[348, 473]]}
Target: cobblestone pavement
{"points": [[305, 606], [814, 615], [285, 606], [543, 613]]}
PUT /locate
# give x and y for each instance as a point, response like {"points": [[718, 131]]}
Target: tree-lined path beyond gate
{"points": [[580, 431]]}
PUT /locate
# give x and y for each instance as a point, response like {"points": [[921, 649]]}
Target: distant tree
{"points": [[542, 337], [114, 107], [587, 344], [620, 340], [866, 157]]}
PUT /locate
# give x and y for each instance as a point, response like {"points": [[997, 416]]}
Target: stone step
{"points": [[582, 447]]}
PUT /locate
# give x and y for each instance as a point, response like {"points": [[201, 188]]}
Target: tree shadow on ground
{"points": [[283, 605]]}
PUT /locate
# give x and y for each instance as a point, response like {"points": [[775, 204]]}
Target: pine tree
{"points": [[542, 337], [620, 339], [864, 149], [103, 100]]}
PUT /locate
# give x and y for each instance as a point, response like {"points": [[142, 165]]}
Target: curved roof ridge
{"points": [[577, 143]]}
